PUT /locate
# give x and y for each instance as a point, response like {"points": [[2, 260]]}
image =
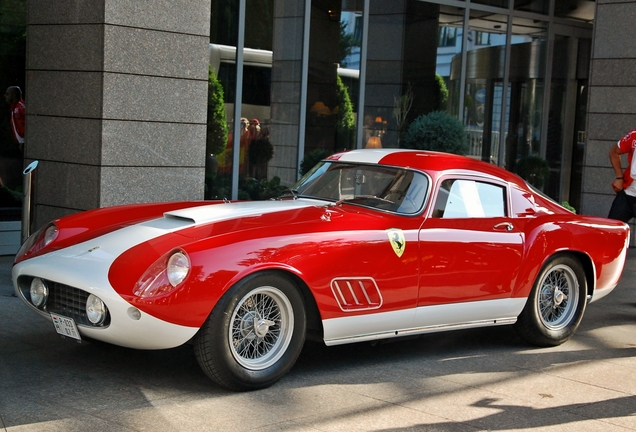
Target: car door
{"points": [[470, 247]]}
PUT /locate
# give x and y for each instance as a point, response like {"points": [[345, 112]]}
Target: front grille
{"points": [[63, 300]]}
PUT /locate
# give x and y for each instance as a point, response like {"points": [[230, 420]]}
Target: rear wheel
{"points": [[556, 303], [254, 334]]}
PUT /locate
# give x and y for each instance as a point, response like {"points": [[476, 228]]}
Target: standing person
{"points": [[13, 96], [624, 205]]}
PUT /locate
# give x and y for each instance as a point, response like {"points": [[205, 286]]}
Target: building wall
{"points": [[612, 99], [117, 100]]}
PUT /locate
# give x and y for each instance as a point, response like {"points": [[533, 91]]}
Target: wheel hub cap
{"points": [[559, 297], [261, 326]]}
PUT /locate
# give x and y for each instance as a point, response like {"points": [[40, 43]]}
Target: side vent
{"points": [[357, 293]]}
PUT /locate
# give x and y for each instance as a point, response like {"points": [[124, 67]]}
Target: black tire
{"points": [[242, 354], [556, 303]]}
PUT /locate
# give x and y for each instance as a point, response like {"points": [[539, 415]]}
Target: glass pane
{"points": [[497, 3], [484, 77], [407, 76], [12, 114], [255, 147], [449, 59], [538, 6], [556, 115], [221, 98], [334, 71], [525, 94], [468, 198], [385, 188], [579, 10]]}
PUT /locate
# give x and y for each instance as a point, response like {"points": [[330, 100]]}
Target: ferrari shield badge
{"points": [[398, 242]]}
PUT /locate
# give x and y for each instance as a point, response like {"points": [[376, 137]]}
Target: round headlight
{"points": [[95, 310], [39, 292], [178, 268]]}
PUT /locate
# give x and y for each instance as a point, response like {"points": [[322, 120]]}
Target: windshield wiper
{"points": [[289, 191], [363, 197]]}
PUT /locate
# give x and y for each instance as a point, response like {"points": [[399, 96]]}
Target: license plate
{"points": [[65, 326]]}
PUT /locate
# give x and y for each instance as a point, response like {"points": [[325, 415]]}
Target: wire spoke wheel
{"points": [[261, 328], [558, 297], [556, 303]]}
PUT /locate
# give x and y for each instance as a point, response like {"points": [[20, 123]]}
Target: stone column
{"points": [[612, 100], [116, 102]]}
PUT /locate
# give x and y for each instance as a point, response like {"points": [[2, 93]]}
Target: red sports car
{"points": [[370, 244]]}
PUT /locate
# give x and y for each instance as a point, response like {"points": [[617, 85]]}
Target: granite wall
{"points": [[612, 99], [116, 102]]}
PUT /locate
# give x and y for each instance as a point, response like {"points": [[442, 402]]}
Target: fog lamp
{"points": [[95, 310], [39, 292]]}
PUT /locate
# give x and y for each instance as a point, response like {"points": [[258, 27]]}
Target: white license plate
{"points": [[65, 326]]}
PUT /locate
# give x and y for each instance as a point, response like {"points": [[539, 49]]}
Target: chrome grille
{"points": [[67, 301], [63, 300]]}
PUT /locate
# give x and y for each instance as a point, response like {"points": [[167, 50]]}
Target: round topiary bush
{"points": [[311, 159], [533, 169], [437, 131]]}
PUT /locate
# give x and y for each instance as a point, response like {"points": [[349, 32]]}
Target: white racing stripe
{"points": [[367, 155], [85, 266]]}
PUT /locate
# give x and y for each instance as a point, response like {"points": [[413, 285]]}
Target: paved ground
{"points": [[484, 379]]}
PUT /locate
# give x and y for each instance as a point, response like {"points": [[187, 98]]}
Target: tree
{"points": [[437, 131], [345, 121], [217, 130]]}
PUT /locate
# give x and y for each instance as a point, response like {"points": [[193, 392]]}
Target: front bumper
{"points": [[83, 269]]}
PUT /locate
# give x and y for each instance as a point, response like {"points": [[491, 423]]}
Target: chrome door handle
{"points": [[503, 226]]}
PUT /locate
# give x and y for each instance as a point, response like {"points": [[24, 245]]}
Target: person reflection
{"points": [[13, 96]]}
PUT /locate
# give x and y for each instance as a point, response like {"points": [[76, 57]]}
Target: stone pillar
{"points": [[612, 100], [116, 102]]}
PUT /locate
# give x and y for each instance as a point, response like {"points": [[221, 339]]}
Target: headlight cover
{"points": [[164, 276], [178, 268], [38, 240]]}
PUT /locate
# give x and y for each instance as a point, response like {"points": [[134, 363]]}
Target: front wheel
{"points": [[556, 303], [254, 334]]}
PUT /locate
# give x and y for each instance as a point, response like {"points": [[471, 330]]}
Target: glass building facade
{"points": [[296, 80], [515, 73]]}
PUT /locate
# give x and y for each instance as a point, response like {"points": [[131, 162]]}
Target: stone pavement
{"points": [[469, 380]]}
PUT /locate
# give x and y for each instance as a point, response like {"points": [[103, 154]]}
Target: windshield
{"points": [[386, 188]]}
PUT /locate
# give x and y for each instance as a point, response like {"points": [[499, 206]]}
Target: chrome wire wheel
{"points": [[261, 328], [558, 297]]}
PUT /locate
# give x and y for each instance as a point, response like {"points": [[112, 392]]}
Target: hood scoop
{"points": [[224, 211]]}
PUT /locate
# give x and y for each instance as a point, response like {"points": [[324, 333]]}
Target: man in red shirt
{"points": [[13, 96], [624, 205]]}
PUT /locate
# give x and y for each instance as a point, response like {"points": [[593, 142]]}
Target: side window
{"points": [[469, 199]]}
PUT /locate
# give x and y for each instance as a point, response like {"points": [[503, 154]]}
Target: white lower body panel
{"points": [[425, 319]]}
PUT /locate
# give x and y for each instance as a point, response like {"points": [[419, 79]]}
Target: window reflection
{"points": [[525, 92], [579, 10], [333, 83], [497, 3], [254, 146], [12, 80], [449, 48], [538, 6], [483, 97]]}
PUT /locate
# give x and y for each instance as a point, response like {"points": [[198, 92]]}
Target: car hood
{"points": [[221, 212]]}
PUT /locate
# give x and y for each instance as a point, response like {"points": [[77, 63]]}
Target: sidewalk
{"points": [[469, 380]]}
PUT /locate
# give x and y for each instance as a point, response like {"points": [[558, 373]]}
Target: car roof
{"points": [[424, 160]]}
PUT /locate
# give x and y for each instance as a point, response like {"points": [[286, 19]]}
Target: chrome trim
{"points": [[421, 330]]}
